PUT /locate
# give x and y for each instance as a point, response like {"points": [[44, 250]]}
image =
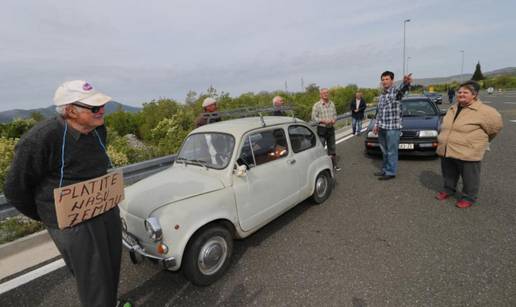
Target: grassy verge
{"points": [[17, 227]]}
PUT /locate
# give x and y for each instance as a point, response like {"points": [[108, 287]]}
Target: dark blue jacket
{"points": [[361, 108]]}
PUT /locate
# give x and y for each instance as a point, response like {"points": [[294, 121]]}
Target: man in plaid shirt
{"points": [[388, 123], [324, 115]]}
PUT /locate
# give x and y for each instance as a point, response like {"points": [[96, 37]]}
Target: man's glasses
{"points": [[93, 110]]}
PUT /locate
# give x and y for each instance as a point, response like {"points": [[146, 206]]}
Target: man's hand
{"points": [[407, 79]]}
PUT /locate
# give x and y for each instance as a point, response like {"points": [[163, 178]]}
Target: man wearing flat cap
{"points": [[210, 115], [61, 151]]}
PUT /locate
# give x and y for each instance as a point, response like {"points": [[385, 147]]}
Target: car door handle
{"points": [[293, 161]]}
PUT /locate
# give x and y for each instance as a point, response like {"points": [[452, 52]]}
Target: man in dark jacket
{"points": [[357, 106], [277, 105], [61, 151]]}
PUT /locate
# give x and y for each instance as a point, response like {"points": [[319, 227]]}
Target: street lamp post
{"points": [[408, 58], [462, 67], [404, 35]]}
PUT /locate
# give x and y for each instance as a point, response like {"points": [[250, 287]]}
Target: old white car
{"points": [[229, 179]]}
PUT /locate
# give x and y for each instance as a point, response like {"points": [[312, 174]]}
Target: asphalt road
{"points": [[371, 244]]}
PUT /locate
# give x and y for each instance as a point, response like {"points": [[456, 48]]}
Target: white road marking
{"points": [[30, 276], [510, 102], [513, 120]]}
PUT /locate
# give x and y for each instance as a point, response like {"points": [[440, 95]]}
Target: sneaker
{"points": [[463, 204], [379, 174], [337, 168], [442, 196]]}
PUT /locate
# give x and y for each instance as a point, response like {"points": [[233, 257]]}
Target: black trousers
{"points": [[469, 171], [327, 137], [92, 251]]}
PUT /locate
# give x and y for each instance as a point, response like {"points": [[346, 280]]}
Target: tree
{"points": [[37, 116], [191, 97], [477, 75]]}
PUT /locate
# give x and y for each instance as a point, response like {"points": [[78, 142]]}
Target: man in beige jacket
{"points": [[466, 130]]}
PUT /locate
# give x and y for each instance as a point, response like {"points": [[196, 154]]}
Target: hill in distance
{"points": [[8, 116], [507, 71]]}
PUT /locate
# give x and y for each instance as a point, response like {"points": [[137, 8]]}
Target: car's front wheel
{"points": [[208, 255], [323, 187]]}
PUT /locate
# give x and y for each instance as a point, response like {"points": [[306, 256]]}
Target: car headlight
{"points": [[153, 228], [371, 134], [427, 133]]}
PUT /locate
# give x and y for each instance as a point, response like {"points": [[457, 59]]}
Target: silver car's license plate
{"points": [[129, 238]]}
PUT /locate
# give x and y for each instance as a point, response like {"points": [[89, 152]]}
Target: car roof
{"points": [[411, 98], [240, 126]]}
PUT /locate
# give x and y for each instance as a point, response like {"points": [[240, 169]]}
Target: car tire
{"points": [[322, 187], [208, 255]]}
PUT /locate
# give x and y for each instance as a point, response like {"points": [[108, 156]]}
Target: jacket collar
{"points": [[74, 133], [474, 106]]}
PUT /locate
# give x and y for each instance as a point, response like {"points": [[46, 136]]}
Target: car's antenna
{"points": [[261, 118]]}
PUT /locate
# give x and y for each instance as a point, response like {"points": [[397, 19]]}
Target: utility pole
{"points": [[404, 45], [286, 87], [462, 67], [302, 85]]}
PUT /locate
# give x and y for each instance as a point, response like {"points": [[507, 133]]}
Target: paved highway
{"points": [[371, 244]]}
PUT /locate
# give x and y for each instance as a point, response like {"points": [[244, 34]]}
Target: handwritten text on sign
{"points": [[82, 201]]}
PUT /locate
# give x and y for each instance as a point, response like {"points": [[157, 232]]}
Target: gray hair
{"points": [[61, 110]]}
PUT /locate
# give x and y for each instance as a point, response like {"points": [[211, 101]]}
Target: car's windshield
{"points": [[211, 150], [418, 108]]}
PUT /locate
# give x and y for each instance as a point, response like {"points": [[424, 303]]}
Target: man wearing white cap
{"points": [[210, 115], [62, 151]]}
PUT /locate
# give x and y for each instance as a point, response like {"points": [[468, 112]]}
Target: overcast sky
{"points": [[136, 51]]}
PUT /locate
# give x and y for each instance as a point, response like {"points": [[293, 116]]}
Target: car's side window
{"points": [[265, 146], [301, 138]]}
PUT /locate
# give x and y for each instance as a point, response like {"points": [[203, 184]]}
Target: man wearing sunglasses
{"points": [[62, 151]]}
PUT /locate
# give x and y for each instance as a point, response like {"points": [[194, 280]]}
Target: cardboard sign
{"points": [[82, 201]]}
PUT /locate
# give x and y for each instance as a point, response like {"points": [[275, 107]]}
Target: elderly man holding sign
{"points": [[59, 177]]}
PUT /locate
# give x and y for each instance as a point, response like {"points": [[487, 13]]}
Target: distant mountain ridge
{"points": [[9, 115], [511, 71]]}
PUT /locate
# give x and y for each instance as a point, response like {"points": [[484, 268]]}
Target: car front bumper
{"points": [[416, 147], [137, 253]]}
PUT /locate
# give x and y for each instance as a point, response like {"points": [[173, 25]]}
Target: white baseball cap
{"points": [[79, 91], [208, 101]]}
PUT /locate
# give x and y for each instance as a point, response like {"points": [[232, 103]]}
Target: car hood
{"points": [[421, 122], [171, 185]]}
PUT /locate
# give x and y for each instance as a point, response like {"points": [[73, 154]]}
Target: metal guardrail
{"points": [[137, 171], [132, 174]]}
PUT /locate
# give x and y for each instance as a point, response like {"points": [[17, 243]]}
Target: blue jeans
{"points": [[356, 124], [389, 141]]}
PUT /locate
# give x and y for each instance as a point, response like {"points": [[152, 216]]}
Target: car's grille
{"points": [[409, 133]]}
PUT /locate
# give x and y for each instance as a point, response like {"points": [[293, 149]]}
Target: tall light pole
{"points": [[408, 58], [404, 34], [462, 67]]}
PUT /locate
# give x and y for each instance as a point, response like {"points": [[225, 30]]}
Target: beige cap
{"points": [[208, 101], [79, 91]]}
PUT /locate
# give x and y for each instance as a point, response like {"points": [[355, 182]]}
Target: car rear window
{"points": [[301, 138]]}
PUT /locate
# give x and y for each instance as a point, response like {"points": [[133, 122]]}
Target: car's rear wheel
{"points": [[208, 255], [323, 187]]}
